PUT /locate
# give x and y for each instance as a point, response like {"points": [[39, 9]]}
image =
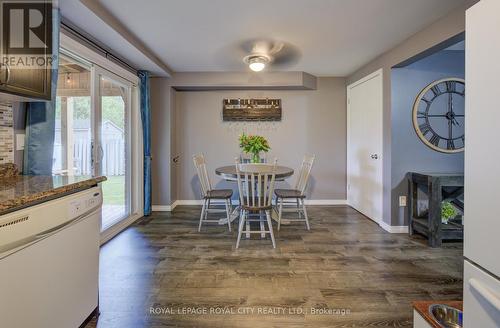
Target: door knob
{"points": [[374, 156]]}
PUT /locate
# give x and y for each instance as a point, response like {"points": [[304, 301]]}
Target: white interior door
{"points": [[364, 145]]}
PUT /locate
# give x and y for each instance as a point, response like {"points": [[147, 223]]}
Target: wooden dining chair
{"points": [[256, 186], [208, 194], [295, 196]]}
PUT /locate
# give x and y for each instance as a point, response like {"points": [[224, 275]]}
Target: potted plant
{"points": [[448, 212], [254, 145]]}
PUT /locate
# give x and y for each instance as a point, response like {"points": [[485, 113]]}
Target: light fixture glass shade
{"points": [[257, 66]]}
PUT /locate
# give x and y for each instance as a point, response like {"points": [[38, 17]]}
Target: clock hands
{"points": [[450, 116]]}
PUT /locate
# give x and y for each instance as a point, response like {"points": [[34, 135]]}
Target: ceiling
{"points": [[329, 37]]}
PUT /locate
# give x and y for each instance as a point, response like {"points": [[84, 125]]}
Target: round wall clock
{"points": [[439, 115]]}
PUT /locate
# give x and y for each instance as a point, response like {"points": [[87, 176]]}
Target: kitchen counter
{"points": [[19, 191], [422, 307]]}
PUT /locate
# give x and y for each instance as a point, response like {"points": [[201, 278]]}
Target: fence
{"points": [[113, 156]]}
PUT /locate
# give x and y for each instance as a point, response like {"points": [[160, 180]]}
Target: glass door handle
{"points": [[92, 156], [96, 158], [101, 152]]}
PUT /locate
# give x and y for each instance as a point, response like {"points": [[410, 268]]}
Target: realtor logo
{"points": [[26, 33]]}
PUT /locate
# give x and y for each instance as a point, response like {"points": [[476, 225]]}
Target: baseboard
{"points": [[326, 202], [161, 208], [393, 229], [385, 226], [165, 208], [199, 202]]}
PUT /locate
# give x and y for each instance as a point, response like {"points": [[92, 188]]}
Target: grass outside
{"points": [[114, 190]]}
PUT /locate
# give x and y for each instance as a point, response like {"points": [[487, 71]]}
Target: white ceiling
{"points": [[333, 37], [80, 16]]}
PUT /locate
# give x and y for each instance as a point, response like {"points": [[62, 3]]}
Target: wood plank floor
{"points": [[346, 262]]}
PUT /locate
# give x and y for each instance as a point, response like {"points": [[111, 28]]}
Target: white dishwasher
{"points": [[49, 262]]}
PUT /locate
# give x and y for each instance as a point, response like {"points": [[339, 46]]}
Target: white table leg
{"points": [[234, 215]]}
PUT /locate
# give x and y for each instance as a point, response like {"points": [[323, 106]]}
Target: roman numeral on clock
{"points": [[436, 91], [451, 86], [434, 139], [450, 144], [421, 114], [427, 101], [424, 128]]}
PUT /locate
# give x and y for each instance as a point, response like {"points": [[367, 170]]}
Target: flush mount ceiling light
{"points": [[257, 62]]}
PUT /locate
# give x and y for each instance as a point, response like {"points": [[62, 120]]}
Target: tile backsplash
{"points": [[6, 134]]}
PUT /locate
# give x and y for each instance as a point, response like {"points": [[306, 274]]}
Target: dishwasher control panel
{"points": [[84, 204]]}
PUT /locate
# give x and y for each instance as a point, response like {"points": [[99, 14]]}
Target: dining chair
{"points": [[255, 186], [208, 194], [295, 196]]}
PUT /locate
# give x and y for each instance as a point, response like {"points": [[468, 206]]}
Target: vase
{"points": [[253, 158]]}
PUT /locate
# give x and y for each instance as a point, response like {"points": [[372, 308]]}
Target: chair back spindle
{"points": [[304, 172], [201, 170], [256, 184]]}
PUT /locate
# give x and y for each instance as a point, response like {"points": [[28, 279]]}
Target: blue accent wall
{"points": [[408, 152]]}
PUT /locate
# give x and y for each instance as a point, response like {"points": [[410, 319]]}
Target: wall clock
{"points": [[439, 116]]}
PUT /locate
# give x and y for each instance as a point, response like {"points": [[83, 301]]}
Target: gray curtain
{"points": [[40, 119]]}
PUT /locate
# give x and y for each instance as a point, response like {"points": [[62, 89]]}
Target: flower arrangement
{"points": [[252, 144]]}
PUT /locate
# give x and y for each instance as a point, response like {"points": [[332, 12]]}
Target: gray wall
{"points": [[408, 152], [442, 30], [314, 121], [161, 143]]}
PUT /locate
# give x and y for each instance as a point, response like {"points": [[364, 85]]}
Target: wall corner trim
{"points": [[165, 208], [393, 229]]}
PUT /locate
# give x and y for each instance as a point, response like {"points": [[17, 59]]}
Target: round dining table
{"points": [[229, 173]]}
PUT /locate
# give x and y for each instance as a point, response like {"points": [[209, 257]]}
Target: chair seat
{"points": [[257, 208], [219, 194], [288, 193]]}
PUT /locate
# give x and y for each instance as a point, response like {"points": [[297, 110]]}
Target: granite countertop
{"points": [[19, 191], [422, 307]]}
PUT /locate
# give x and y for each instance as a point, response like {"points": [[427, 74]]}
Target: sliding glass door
{"points": [[113, 145], [93, 115], [73, 128]]}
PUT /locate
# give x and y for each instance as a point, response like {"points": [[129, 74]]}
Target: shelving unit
{"points": [[438, 188]]}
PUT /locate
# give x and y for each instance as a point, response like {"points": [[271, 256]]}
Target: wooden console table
{"points": [[430, 225]]}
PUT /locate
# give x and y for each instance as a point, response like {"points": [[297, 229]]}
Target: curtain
{"points": [[146, 131], [40, 119]]}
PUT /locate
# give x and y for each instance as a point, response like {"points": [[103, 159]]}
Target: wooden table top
{"points": [[229, 172]]}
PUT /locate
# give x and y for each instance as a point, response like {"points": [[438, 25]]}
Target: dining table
{"points": [[228, 173]]}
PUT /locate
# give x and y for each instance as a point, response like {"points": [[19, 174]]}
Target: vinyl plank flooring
{"points": [[345, 272]]}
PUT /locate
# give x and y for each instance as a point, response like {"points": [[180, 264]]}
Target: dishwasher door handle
{"points": [[25, 242]]}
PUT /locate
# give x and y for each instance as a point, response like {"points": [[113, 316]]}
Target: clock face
{"points": [[439, 116]]}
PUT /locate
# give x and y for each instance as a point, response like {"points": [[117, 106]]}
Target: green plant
{"points": [[448, 212], [252, 144]]}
